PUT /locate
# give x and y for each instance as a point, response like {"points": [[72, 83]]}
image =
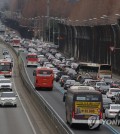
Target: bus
{"points": [[16, 42], [83, 103], [6, 67], [105, 71], [43, 78], [32, 59], [95, 70]]}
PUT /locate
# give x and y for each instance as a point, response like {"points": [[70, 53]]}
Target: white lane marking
{"points": [[48, 103], [33, 129]]}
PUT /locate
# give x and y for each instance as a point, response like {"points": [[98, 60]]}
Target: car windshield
{"points": [[117, 82], [32, 56], [101, 84], [70, 82], [5, 67], [5, 81], [115, 90], [115, 107], [2, 77], [107, 100], [45, 72], [8, 95]]}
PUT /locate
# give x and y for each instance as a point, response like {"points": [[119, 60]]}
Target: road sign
{"points": [[112, 48]]}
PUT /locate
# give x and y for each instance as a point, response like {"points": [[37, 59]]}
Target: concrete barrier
{"points": [[43, 105]]}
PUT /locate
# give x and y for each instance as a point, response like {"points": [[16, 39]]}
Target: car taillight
{"points": [[101, 115]]}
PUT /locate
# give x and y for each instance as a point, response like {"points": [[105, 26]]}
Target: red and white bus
{"points": [[16, 42], [44, 78], [6, 67], [32, 59]]}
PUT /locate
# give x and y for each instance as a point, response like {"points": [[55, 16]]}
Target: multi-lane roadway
{"points": [[54, 98], [25, 118]]}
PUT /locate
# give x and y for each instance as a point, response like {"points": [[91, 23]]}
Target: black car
{"points": [[63, 79], [68, 84], [5, 52], [117, 118], [115, 84], [59, 74]]}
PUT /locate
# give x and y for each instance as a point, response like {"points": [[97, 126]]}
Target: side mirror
{"points": [[64, 97], [34, 73]]}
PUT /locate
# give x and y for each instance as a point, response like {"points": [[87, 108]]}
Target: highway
{"points": [[25, 118], [14, 120], [54, 98]]}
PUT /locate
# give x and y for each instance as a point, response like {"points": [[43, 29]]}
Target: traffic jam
{"points": [[91, 86], [8, 97]]}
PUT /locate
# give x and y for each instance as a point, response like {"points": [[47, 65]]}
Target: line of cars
{"points": [[7, 96], [65, 74]]}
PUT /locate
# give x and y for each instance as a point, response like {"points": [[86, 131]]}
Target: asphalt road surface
{"points": [[25, 118], [54, 98]]}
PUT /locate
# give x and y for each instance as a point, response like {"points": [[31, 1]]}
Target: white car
{"points": [[55, 73], [5, 84], [112, 110], [8, 98], [50, 66], [102, 87], [40, 57], [112, 92]]}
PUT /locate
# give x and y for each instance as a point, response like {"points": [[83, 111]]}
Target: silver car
{"points": [[5, 85], [8, 99], [112, 110]]}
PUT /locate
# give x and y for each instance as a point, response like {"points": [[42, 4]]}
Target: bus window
{"points": [[87, 97], [45, 72], [105, 67]]}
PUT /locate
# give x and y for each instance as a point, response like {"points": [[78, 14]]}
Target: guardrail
{"points": [[43, 105]]}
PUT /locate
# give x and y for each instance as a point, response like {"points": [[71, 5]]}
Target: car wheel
{"points": [[106, 116], [61, 85], [67, 119], [71, 125], [36, 88], [117, 121], [15, 105]]}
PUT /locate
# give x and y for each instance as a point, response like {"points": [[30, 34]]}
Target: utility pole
{"points": [[48, 17], [48, 12]]}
